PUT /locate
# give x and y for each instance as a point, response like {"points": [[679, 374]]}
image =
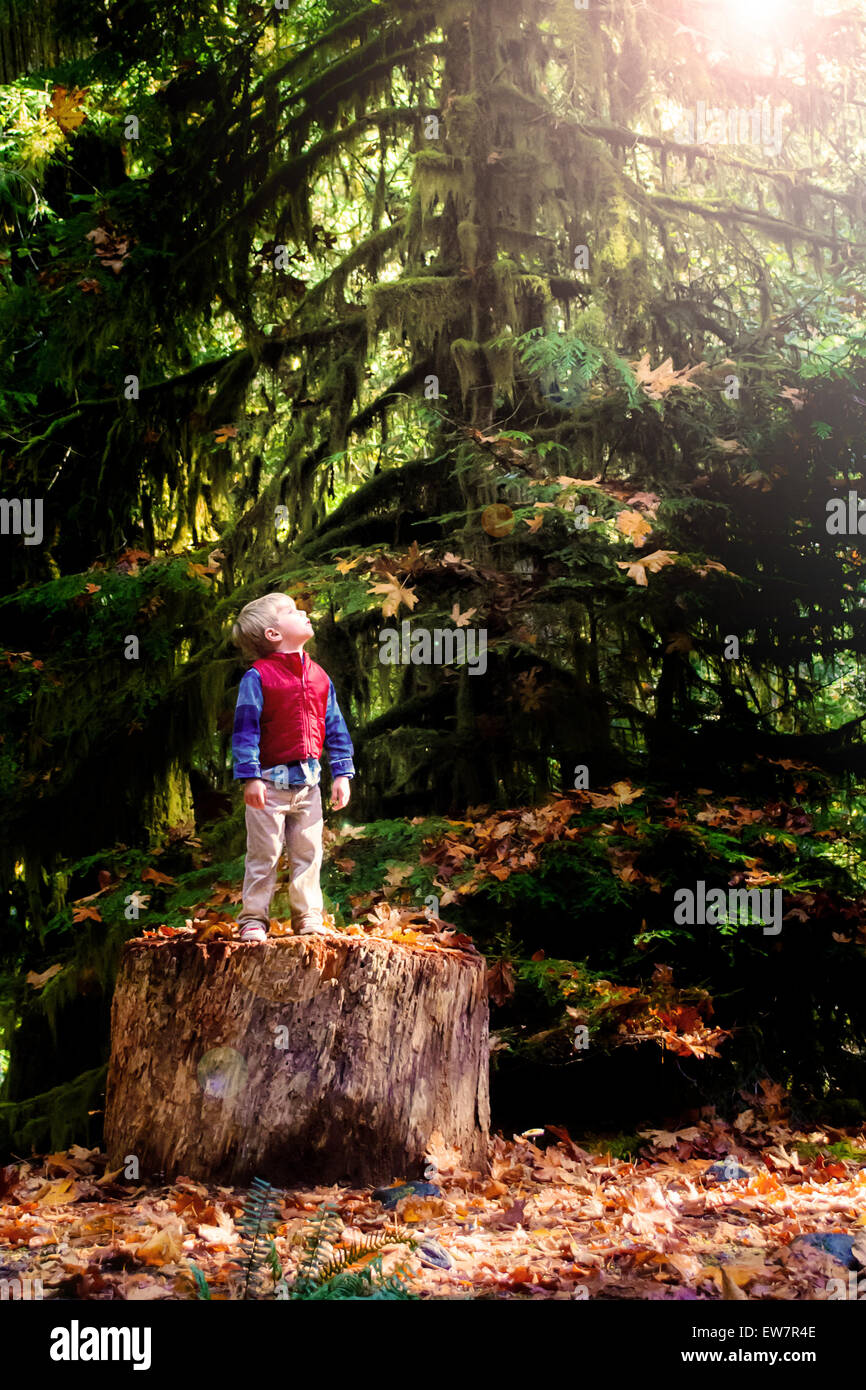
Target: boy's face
{"points": [[290, 628]]}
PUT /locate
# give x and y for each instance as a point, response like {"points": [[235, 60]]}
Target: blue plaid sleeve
{"points": [[246, 731], [338, 744]]}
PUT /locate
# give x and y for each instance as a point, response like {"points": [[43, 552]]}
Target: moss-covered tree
{"points": [[453, 302]]}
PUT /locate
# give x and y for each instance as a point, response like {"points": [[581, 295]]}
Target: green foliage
{"points": [[202, 1288], [55, 1119], [259, 1216], [570, 364], [408, 260], [625, 1147], [353, 1271]]}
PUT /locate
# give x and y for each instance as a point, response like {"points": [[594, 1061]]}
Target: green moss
{"points": [[467, 236], [427, 303], [437, 174], [500, 364], [591, 326], [469, 361], [506, 275], [622, 1146], [844, 1150], [171, 803], [55, 1119]]}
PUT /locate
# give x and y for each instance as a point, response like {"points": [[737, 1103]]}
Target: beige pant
{"points": [[291, 816]]}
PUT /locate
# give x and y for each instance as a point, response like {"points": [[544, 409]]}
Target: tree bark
{"points": [[298, 1060], [29, 39]]}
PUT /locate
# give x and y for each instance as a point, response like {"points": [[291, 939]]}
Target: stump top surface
{"points": [[314, 946]]}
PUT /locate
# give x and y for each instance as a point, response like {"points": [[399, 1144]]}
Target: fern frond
{"points": [[202, 1288], [625, 376], [363, 1248], [346, 1284], [325, 1226], [363, 1283], [256, 1222], [274, 1262], [395, 1286]]}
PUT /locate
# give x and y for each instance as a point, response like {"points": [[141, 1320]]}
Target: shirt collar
{"points": [[292, 657]]}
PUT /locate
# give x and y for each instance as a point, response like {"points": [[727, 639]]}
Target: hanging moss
{"points": [[171, 804], [505, 276], [464, 117], [437, 174], [516, 103], [591, 326], [427, 303], [55, 1119], [500, 365], [30, 37], [469, 361], [368, 254], [467, 236]]}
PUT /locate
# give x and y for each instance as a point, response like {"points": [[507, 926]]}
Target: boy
{"points": [[286, 713]]}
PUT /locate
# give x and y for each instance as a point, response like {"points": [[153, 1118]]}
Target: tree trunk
{"points": [[29, 38], [300, 1059]]}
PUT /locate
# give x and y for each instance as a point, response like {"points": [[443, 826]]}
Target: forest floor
{"points": [[552, 1220]]}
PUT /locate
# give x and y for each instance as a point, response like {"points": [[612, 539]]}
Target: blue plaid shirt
{"points": [[246, 735]]}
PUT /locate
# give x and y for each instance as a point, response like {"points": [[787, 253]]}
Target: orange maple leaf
{"points": [[633, 525], [203, 572], [83, 912], [154, 876], [623, 794], [64, 107], [534, 521]]}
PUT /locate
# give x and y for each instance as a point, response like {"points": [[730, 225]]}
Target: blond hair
{"points": [[248, 632]]}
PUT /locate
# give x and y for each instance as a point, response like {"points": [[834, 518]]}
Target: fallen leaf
{"points": [[622, 794], [58, 1194], [657, 381], [395, 595], [164, 1246], [37, 981], [154, 876], [461, 619], [633, 525]]}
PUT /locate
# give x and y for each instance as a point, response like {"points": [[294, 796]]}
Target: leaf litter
{"points": [[551, 1219]]}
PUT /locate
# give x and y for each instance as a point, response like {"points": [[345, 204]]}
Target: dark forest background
{"points": [[448, 313]]}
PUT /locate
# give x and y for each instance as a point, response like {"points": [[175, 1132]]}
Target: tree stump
{"points": [[301, 1059]]}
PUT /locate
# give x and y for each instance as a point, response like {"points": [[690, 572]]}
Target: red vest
{"points": [[295, 699]]}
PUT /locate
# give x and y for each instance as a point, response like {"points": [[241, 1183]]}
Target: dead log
{"points": [[301, 1060]]}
